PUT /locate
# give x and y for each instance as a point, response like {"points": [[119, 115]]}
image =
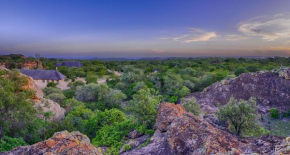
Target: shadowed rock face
{"points": [[63, 143], [179, 132], [269, 88]]}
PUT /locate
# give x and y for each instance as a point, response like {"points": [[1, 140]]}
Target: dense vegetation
{"points": [[107, 112]]}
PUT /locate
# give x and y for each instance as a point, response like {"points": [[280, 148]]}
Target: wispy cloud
{"points": [[269, 28], [203, 37], [193, 35], [234, 37]]}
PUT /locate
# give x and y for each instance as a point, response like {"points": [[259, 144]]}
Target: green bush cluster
{"points": [[274, 113]]}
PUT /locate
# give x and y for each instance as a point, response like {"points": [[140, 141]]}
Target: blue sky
{"points": [[145, 28]]}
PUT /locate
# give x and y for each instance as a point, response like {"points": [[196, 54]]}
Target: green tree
{"points": [[240, 114], [18, 118], [145, 103]]}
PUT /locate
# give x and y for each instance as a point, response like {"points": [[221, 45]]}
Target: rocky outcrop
{"points": [[63, 143], [283, 148], [46, 105], [41, 103], [271, 89], [23, 65], [167, 114], [31, 64], [179, 132]]}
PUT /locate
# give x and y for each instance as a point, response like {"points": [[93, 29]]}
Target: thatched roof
{"points": [[39, 74], [69, 64]]}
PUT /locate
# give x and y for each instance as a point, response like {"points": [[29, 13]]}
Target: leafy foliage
{"points": [[51, 84], [18, 115], [8, 143], [240, 114], [274, 113], [144, 104], [191, 106], [58, 98]]}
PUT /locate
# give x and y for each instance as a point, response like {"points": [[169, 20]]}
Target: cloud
{"points": [[194, 35], [235, 37], [269, 28], [203, 37]]}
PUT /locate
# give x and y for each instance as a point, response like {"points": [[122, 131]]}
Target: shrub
{"points": [[240, 114], [59, 98], [77, 118], [101, 119], [70, 93], [127, 147], [144, 104], [51, 90], [71, 103], [286, 113], [240, 70], [92, 79], [51, 84], [274, 113], [113, 135], [74, 85], [8, 143], [192, 106], [87, 93]]}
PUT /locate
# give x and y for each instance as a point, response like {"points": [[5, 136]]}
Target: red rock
{"points": [[64, 143]]}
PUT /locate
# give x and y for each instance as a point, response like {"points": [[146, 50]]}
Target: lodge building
{"points": [[44, 76]]}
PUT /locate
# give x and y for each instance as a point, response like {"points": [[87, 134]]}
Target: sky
{"points": [[145, 28]]}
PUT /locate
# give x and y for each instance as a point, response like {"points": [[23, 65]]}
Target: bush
{"points": [[92, 79], [101, 119], [127, 147], [71, 103], [74, 85], [51, 84], [113, 135], [51, 90], [286, 113], [70, 93], [144, 104], [274, 113], [77, 118], [59, 98], [240, 114], [191, 106], [240, 70], [8, 143], [87, 93]]}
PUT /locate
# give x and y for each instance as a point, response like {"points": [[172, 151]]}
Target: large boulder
{"points": [[167, 113], [180, 132], [63, 143], [270, 89]]}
